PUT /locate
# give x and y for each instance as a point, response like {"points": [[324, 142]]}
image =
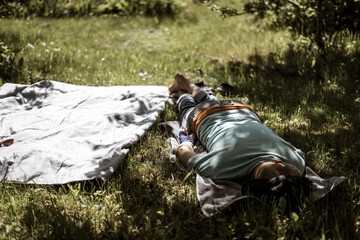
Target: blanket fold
{"points": [[64, 133], [216, 195]]}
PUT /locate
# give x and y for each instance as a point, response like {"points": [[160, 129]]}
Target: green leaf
{"points": [[313, 63], [188, 175], [294, 216]]}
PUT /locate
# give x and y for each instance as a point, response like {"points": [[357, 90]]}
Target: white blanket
{"points": [[65, 133]]}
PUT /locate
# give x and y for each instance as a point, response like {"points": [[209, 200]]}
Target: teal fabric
{"points": [[237, 142]]}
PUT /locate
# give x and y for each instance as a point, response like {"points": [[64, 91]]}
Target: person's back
{"points": [[237, 142]]}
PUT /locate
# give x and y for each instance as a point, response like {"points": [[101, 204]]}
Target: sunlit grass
{"points": [[149, 197], [97, 51]]}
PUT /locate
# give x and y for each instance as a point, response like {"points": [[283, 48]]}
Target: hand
{"points": [[184, 137], [184, 152]]}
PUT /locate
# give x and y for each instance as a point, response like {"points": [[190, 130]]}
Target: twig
{"points": [[294, 4]]}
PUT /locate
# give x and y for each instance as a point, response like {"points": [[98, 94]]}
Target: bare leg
{"points": [[182, 85]]}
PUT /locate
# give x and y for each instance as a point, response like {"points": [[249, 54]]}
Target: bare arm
{"points": [[184, 152]]}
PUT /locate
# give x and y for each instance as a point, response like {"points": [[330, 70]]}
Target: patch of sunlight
{"points": [[333, 86]]}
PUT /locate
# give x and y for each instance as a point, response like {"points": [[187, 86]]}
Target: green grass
{"points": [[311, 100], [102, 51]]}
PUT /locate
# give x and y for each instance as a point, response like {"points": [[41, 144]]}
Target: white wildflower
{"points": [[143, 73]]}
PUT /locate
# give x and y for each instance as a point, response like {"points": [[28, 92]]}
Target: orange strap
{"points": [[218, 108], [7, 142]]}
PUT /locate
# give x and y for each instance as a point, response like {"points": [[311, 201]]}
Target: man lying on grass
{"points": [[239, 146]]}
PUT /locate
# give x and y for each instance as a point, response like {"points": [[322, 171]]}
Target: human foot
{"points": [[177, 94], [181, 85]]}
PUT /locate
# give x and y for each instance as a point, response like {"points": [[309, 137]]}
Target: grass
{"points": [[309, 99]]}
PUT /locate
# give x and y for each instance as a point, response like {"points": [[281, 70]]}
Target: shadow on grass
{"points": [[152, 207], [47, 221], [335, 215], [298, 76]]}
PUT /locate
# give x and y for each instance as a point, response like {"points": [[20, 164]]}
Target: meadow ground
{"points": [[310, 99]]}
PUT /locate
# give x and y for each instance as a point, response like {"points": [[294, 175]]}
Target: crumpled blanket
{"points": [[216, 195], [65, 133]]}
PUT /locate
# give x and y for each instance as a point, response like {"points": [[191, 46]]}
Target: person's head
{"points": [[268, 170]]}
